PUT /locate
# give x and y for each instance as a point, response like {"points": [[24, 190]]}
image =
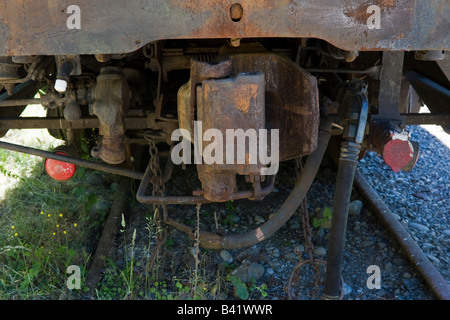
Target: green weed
{"points": [[244, 291], [326, 217]]}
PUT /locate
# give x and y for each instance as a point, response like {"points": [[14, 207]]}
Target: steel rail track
{"points": [[416, 256], [110, 230]]}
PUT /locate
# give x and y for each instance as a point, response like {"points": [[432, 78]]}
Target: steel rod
{"points": [[19, 102], [144, 199], [79, 162], [142, 122], [432, 276], [440, 119], [132, 123]]}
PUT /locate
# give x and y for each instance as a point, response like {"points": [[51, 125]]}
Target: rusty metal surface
{"points": [[292, 101], [291, 98], [106, 241], [249, 93], [30, 27], [111, 100], [196, 198], [8, 69], [199, 71], [232, 103]]}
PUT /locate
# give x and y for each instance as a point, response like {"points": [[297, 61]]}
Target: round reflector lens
{"points": [[398, 153], [59, 170]]}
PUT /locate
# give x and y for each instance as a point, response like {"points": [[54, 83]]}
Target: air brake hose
{"points": [[295, 198]]}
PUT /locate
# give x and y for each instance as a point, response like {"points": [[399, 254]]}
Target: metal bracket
{"points": [[390, 85], [196, 198], [362, 118]]}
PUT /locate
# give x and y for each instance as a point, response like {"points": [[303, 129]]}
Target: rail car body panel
{"points": [[110, 26]]}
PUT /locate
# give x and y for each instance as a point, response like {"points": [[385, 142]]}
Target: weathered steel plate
{"points": [[29, 27]]}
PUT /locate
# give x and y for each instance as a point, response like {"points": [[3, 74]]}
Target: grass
{"points": [[47, 226], [152, 282], [199, 278]]}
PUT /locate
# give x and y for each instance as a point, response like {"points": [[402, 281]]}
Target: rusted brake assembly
{"points": [[246, 93]]}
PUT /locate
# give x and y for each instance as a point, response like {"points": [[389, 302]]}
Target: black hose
{"points": [[288, 208], [344, 183]]}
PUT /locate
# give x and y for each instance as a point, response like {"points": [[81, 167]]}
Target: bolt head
{"points": [[60, 85]]}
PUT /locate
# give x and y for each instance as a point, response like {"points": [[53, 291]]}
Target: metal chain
{"points": [[158, 188], [157, 177], [307, 235], [309, 246]]}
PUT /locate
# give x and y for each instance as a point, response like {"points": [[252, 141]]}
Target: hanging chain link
{"points": [[158, 188], [306, 227], [157, 177], [309, 246], [307, 234]]}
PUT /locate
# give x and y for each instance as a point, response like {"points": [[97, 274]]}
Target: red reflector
{"points": [[59, 170], [397, 153]]}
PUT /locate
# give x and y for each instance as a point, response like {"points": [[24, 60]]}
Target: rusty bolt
{"points": [[350, 56], [235, 42], [236, 12]]}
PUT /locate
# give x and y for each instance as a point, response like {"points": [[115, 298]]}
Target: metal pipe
{"points": [[374, 71], [352, 137], [136, 123], [79, 162], [442, 119], [432, 277], [165, 200], [132, 123], [344, 183], [19, 102], [214, 241]]}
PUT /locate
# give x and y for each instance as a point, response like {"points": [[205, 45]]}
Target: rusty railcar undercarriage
{"points": [[232, 87]]}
